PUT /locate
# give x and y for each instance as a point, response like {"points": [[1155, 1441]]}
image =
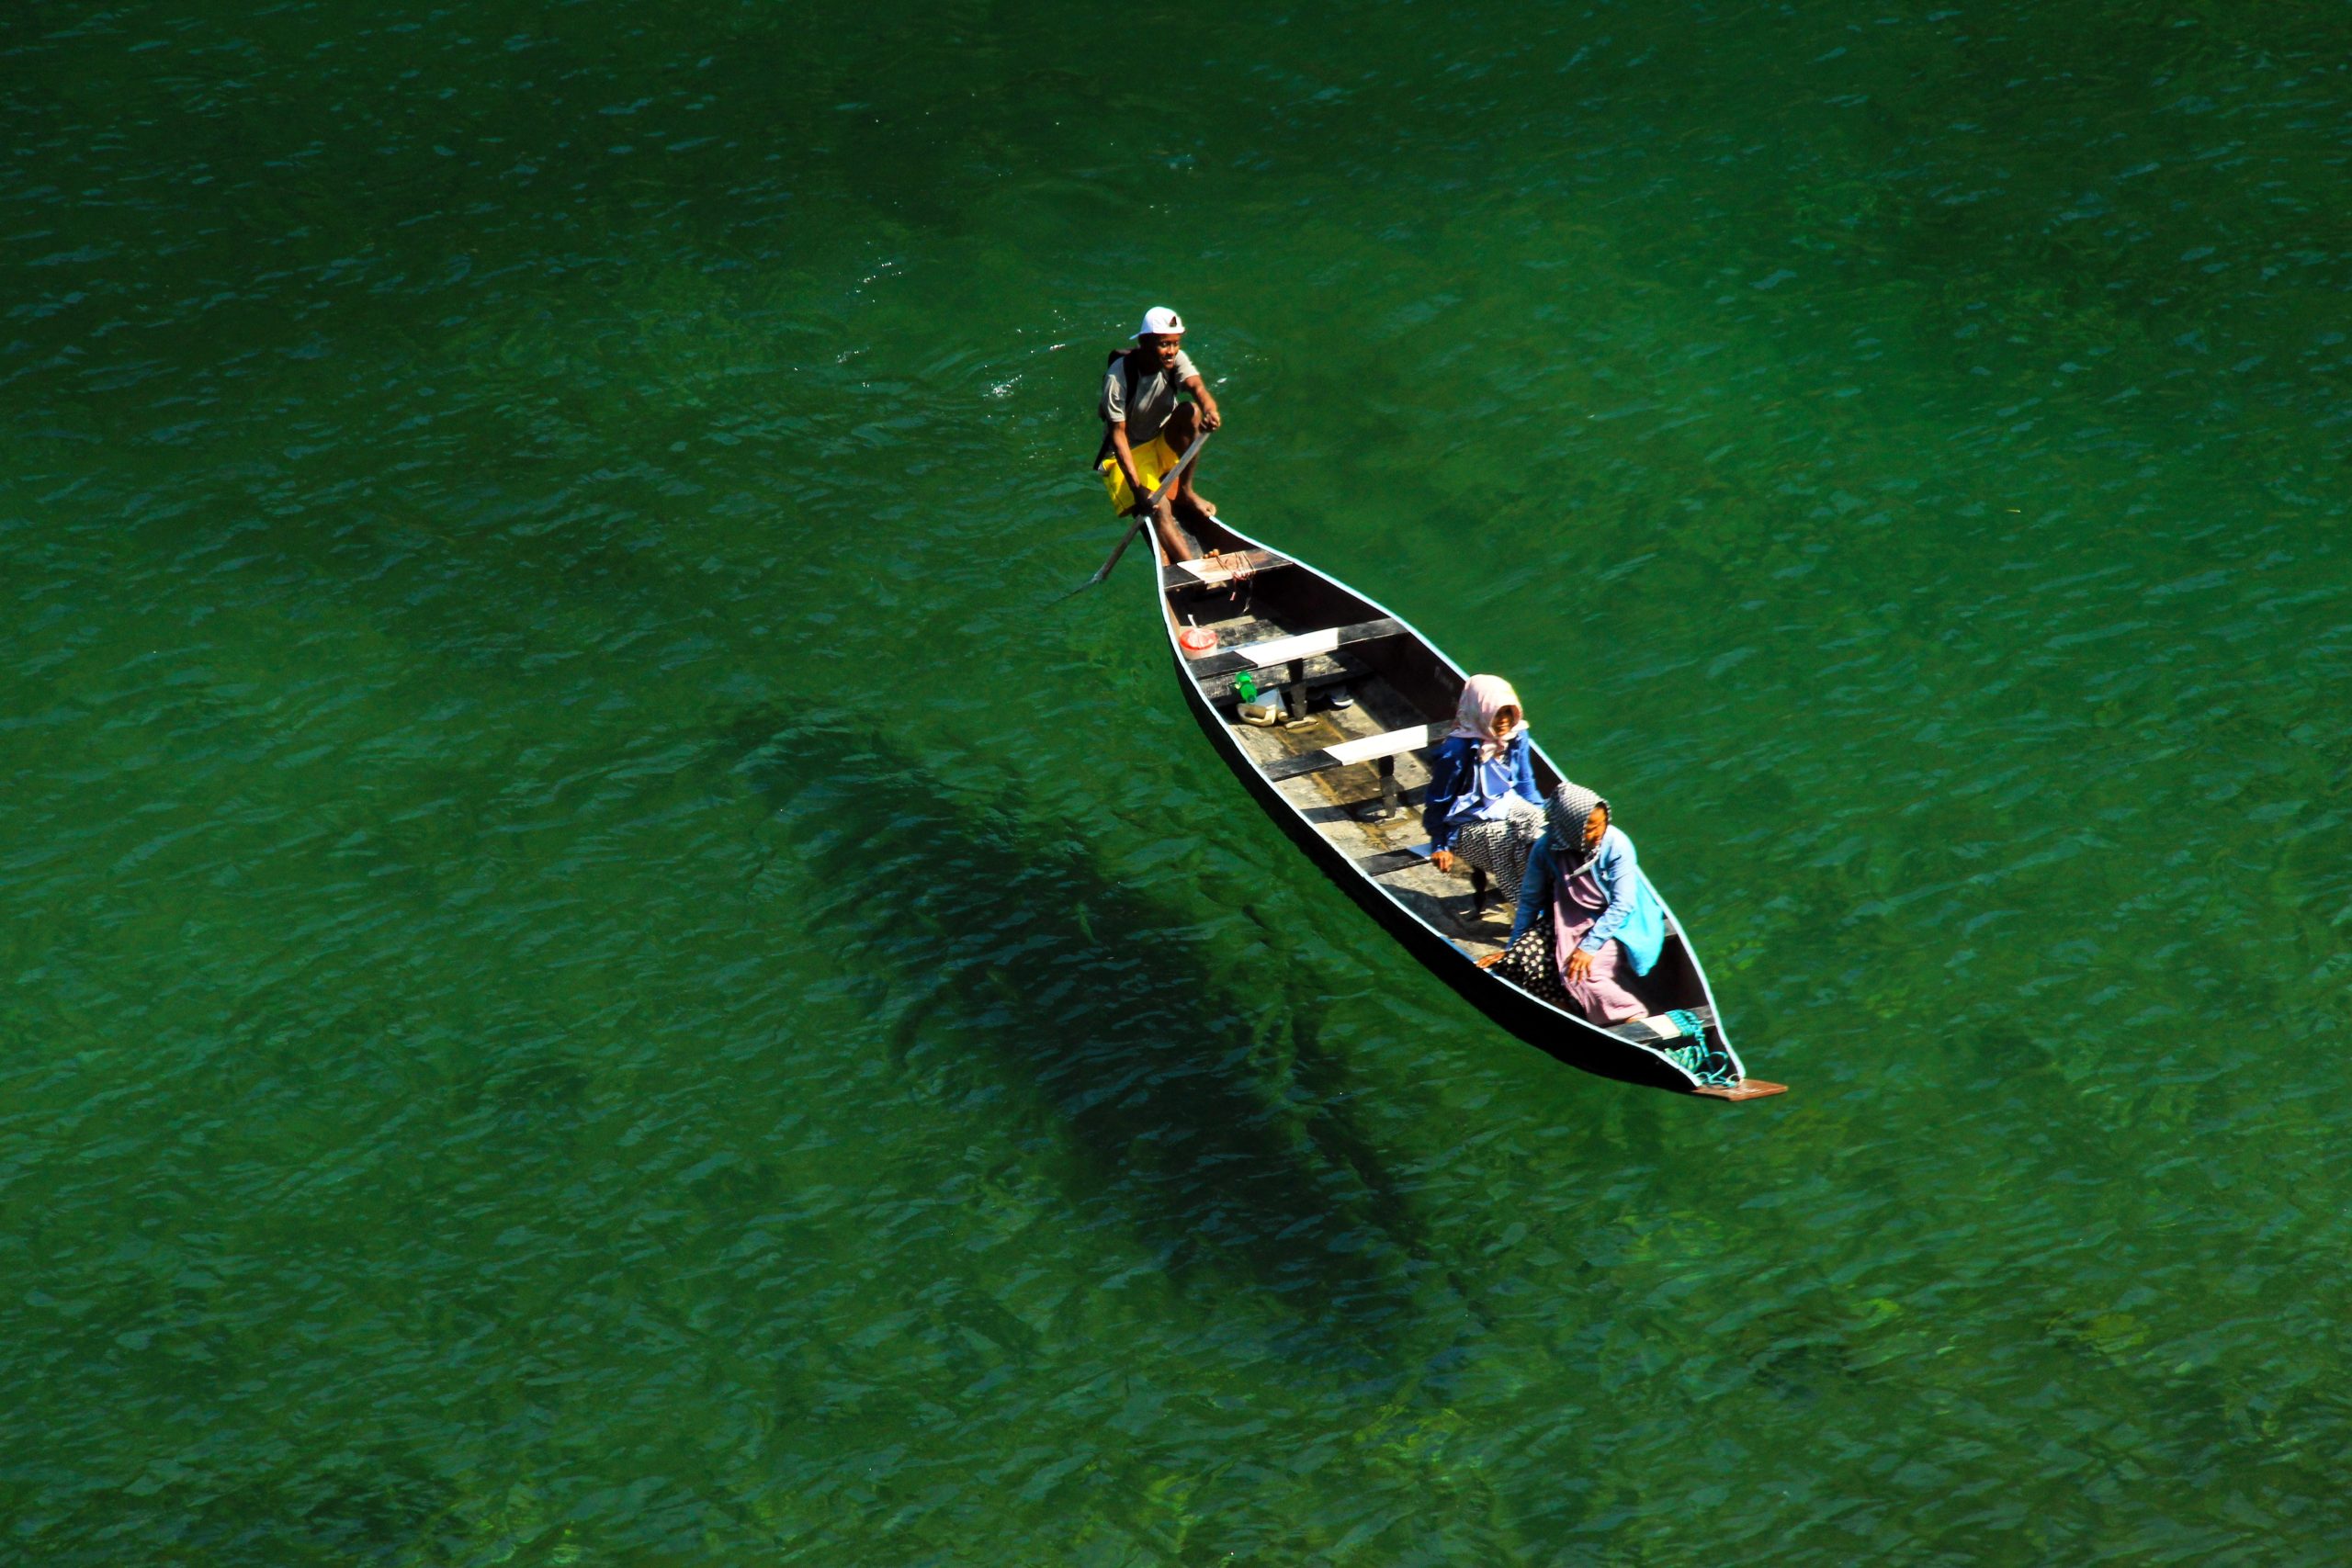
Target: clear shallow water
{"points": [[598, 979]]}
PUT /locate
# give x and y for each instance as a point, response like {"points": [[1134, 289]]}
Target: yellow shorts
{"points": [[1153, 460]]}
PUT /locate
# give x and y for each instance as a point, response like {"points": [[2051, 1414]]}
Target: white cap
{"points": [[1161, 322]]}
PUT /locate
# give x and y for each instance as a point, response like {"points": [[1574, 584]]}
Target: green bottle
{"points": [[1245, 688]]}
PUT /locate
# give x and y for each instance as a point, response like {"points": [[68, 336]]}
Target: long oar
{"points": [[1150, 505]]}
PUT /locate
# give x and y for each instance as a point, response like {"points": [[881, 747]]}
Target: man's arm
{"points": [[1210, 418], [1171, 538]]}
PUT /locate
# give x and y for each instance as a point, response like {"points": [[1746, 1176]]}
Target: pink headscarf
{"points": [[1483, 696]]}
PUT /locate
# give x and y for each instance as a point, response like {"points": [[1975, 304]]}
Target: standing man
{"points": [[1149, 429]]}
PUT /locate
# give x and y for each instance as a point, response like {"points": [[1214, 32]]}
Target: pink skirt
{"points": [[1533, 963]]}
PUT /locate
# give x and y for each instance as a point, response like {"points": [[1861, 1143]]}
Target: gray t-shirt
{"points": [[1154, 398]]}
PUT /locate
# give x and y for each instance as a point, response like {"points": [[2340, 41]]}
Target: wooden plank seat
{"points": [[1328, 670], [1303, 660], [1347, 754], [1238, 631], [1379, 749], [1202, 574], [1283, 650]]}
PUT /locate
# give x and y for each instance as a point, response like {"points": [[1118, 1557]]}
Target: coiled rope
{"points": [[1704, 1058]]}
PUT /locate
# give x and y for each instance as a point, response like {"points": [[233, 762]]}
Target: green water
{"points": [[596, 977]]}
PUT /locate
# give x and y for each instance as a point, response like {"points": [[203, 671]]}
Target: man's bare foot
{"points": [[1205, 508]]}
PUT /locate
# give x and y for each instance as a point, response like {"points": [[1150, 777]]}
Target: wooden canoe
{"points": [[1345, 784]]}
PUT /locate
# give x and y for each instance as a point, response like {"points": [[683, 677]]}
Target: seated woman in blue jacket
{"points": [[1589, 920], [1482, 807]]}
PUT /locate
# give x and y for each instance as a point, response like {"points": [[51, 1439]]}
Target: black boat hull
{"points": [[1579, 1046], [1299, 614]]}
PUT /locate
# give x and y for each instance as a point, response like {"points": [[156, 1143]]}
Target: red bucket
{"points": [[1196, 640]]}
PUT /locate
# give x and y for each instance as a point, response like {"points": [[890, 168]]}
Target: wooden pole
{"points": [[1143, 513]]}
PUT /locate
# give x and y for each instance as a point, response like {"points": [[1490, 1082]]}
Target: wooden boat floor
{"points": [[1333, 800]]}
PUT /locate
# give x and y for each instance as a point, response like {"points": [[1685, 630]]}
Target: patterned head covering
{"points": [[1571, 807], [1483, 696]]}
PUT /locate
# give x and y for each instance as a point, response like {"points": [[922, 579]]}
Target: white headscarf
{"points": [[1571, 807], [1483, 696]]}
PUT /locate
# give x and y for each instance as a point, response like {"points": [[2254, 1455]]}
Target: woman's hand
{"points": [[1443, 860], [1580, 966], [1489, 961]]}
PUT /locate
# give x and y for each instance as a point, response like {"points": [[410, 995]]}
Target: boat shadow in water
{"points": [[1217, 1132]]}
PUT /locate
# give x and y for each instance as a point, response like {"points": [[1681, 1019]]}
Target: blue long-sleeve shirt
{"points": [[1464, 790], [1634, 916]]}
